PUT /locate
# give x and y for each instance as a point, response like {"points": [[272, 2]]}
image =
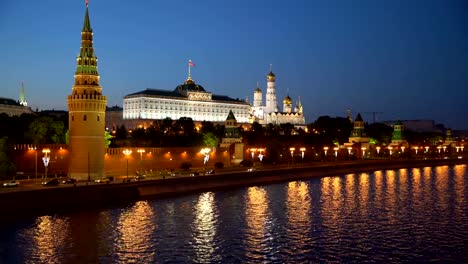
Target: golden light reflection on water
{"points": [[441, 177], [256, 216], [49, 236], [298, 206], [135, 227], [378, 179], [205, 226], [416, 182], [364, 187], [459, 185], [332, 201]]}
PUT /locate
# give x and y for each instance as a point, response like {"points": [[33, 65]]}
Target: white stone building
{"points": [[270, 113], [187, 100]]}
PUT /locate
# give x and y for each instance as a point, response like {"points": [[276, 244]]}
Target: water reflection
{"points": [[256, 214], [364, 189], [49, 237], [136, 226], [298, 206], [204, 232]]}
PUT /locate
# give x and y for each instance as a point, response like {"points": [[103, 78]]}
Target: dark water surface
{"points": [[392, 216]]}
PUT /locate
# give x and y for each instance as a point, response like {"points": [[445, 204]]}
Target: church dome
{"points": [[287, 100], [258, 90], [271, 76], [191, 86]]}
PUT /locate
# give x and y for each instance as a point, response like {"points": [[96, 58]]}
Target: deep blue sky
{"points": [[407, 59]]}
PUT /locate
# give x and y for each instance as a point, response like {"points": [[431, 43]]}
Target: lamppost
{"points": [[416, 150], [302, 153], [252, 151], [141, 151], [206, 153], [336, 152], [260, 155], [292, 155], [402, 149], [349, 152], [363, 152], [378, 149], [46, 160], [444, 148], [127, 153], [325, 149], [390, 151], [438, 149], [35, 161], [427, 148]]}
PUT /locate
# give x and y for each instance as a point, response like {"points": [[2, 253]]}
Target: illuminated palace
{"points": [[86, 113], [270, 113], [193, 101], [186, 100]]}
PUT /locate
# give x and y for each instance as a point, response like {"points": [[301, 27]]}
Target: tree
{"points": [[108, 139], [6, 166], [210, 140]]}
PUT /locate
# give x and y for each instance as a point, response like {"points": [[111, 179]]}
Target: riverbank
{"points": [[68, 198]]}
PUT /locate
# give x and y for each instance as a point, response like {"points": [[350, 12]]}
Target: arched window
{"points": [[84, 118]]}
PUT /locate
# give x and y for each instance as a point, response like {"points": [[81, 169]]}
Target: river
{"points": [[390, 216]]}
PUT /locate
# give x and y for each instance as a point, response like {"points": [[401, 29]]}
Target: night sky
{"points": [[407, 59]]}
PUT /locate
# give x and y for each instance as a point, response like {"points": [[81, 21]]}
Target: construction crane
{"points": [[374, 114]]}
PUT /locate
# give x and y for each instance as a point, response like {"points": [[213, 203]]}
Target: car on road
{"points": [[195, 174], [105, 180], [250, 169], [71, 181], [11, 184], [53, 182], [139, 177], [210, 172]]}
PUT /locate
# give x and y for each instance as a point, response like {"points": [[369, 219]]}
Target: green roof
{"points": [[87, 24]]}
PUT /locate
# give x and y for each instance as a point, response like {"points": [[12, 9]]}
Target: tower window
{"points": [[84, 118], [98, 118], [73, 118]]}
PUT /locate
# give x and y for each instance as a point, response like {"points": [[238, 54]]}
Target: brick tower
{"points": [[86, 113]]}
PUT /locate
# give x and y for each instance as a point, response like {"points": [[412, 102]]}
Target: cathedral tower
{"points": [[86, 113], [22, 98], [271, 104], [258, 101]]}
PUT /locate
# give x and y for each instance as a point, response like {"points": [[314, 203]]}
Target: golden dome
{"points": [[287, 100], [271, 76]]}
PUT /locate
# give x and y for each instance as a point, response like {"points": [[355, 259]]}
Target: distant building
{"points": [[270, 112], [15, 108], [416, 125], [186, 100], [358, 134], [398, 135]]}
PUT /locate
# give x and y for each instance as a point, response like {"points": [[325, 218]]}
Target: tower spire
{"points": [[22, 97]]}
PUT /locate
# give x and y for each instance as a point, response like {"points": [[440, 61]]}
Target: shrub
{"points": [[186, 165], [219, 165], [246, 163]]}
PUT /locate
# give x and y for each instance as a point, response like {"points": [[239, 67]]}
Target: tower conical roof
{"points": [[86, 23], [231, 116], [359, 118]]}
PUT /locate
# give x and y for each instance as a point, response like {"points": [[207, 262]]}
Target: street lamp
{"points": [[390, 151], [252, 151], [349, 152], [378, 149], [336, 152], [141, 151], [363, 152], [427, 148], [46, 160], [127, 152], [445, 148], [402, 149], [325, 149], [302, 153], [260, 155], [439, 148], [35, 161], [416, 150], [292, 154], [206, 153]]}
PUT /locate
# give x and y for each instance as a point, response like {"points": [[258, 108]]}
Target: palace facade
{"points": [[186, 100]]}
